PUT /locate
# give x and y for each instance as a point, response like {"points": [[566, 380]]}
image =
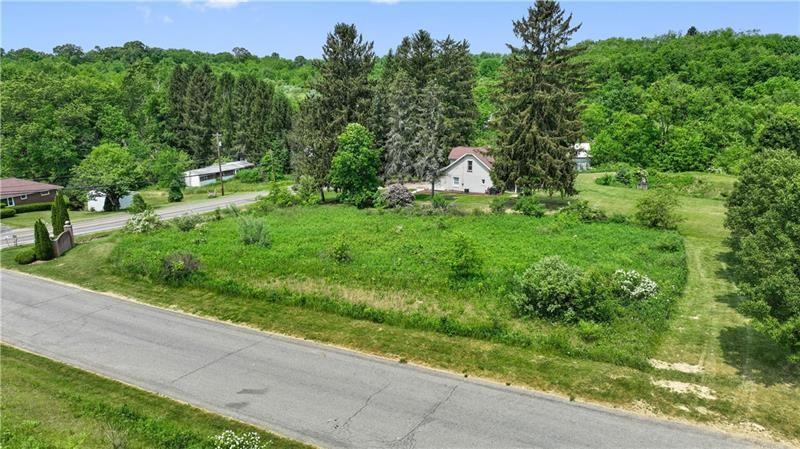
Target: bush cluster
{"points": [[529, 205], [248, 176], [498, 205], [397, 195], [584, 211], [555, 290], [658, 210], [25, 256], [7, 212], [186, 223], [142, 222], [138, 205], [179, 267]]}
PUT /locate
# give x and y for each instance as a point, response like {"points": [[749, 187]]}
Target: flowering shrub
{"points": [[232, 440], [143, 222], [397, 195], [632, 285]]}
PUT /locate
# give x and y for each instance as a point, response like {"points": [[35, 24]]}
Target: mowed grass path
{"points": [[46, 404], [751, 390]]}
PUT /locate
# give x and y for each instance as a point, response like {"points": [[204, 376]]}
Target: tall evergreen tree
{"points": [[224, 118], [343, 95], [42, 246], [176, 104], [455, 73], [400, 153], [539, 121], [59, 214], [430, 140], [416, 55], [198, 115]]}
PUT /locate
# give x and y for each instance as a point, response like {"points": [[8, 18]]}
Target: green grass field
{"points": [[753, 387], [46, 404]]}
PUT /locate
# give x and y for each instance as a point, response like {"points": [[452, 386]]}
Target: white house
{"points": [[467, 172], [583, 156], [209, 175], [97, 199]]}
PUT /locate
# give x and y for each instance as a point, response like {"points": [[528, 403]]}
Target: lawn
{"points": [[46, 404], [754, 389]]}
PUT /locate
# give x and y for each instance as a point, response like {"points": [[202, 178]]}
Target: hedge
{"points": [[7, 212], [33, 207]]}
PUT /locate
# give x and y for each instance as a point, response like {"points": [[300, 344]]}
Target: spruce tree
{"points": [[400, 154], [455, 73], [176, 105], [224, 118], [198, 117], [342, 94], [42, 246], [430, 140], [539, 123]]}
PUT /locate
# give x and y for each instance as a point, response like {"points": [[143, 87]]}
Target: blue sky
{"points": [[299, 28]]}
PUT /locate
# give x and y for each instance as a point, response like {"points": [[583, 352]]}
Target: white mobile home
{"points": [[97, 199], [209, 175], [467, 172]]}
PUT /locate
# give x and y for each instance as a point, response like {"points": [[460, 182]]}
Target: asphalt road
{"points": [[25, 235], [310, 392]]}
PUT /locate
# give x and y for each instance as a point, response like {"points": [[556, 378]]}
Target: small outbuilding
{"points": [[468, 171], [15, 191], [209, 175]]}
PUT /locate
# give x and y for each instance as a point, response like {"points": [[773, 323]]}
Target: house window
{"points": [[23, 197], [483, 181], [456, 181], [46, 193], [10, 201], [469, 166]]}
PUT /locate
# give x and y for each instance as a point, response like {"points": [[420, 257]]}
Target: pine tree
{"points": [[176, 104], [430, 139], [198, 118], [342, 94], [224, 118], [416, 55], [399, 150], [539, 123], [59, 214], [455, 73], [42, 246]]}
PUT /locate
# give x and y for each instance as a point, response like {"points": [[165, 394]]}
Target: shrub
{"points": [[232, 440], [139, 205], [498, 205], [397, 195], [354, 168], [439, 202], [186, 223], [253, 231], [617, 217], [233, 210], [626, 175], [248, 176], [362, 200], [584, 211], [280, 196], [142, 222], [7, 212], [494, 190], [634, 286], [465, 262], [32, 207], [307, 192], [175, 193], [657, 210], [43, 246], [606, 180], [340, 252], [550, 288], [530, 206], [589, 331], [179, 267], [25, 256]]}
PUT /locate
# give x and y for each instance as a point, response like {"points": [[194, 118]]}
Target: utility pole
{"points": [[219, 162]]}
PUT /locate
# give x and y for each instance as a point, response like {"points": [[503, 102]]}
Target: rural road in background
{"points": [[25, 235], [314, 393]]}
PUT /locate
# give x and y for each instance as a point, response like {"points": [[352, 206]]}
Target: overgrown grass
{"points": [[399, 274], [46, 404]]}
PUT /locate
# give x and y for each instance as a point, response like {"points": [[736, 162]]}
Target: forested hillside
{"points": [[698, 101]]}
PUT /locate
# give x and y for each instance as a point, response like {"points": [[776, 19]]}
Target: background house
{"points": [[14, 191], [467, 172], [209, 175], [583, 157]]}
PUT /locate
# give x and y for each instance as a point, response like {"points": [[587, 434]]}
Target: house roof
{"points": [[481, 153], [11, 187], [215, 168]]}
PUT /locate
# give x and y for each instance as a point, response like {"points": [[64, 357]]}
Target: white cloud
{"points": [[202, 5], [167, 19], [386, 2]]}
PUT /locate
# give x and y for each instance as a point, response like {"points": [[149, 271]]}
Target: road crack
{"points": [[408, 439]]}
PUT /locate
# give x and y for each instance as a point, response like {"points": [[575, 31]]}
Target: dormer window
{"points": [[469, 166]]}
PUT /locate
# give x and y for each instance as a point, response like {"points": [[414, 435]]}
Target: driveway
{"points": [[25, 235], [311, 392]]}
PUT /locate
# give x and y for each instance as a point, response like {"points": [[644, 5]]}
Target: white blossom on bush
{"points": [[232, 440], [634, 285], [143, 222]]}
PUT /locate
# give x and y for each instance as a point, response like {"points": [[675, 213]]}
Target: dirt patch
{"points": [[679, 366], [686, 388]]}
